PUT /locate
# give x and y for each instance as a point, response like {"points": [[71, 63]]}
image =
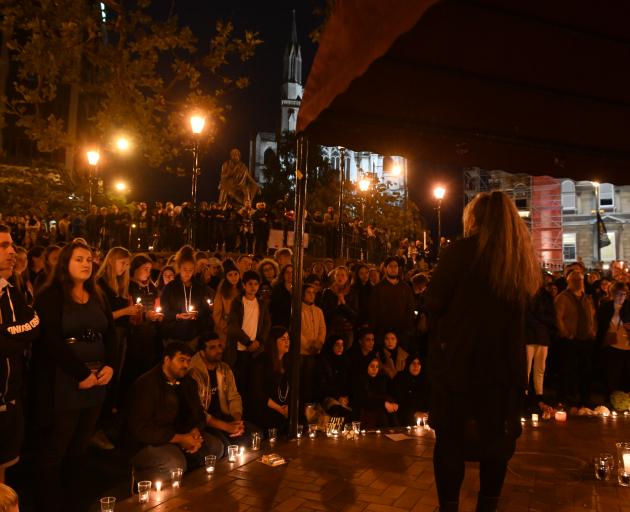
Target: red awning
{"points": [[534, 86]]}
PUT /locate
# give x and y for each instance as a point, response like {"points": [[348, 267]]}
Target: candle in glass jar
{"points": [[241, 451], [139, 300], [191, 309], [158, 486], [626, 463], [561, 416], [158, 309], [534, 417]]}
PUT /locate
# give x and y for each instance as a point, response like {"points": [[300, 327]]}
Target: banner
{"points": [[602, 235]]}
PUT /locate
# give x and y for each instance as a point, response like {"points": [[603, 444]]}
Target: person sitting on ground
{"points": [[411, 393], [219, 395], [371, 402], [333, 379], [392, 357], [270, 382], [165, 418], [359, 355]]}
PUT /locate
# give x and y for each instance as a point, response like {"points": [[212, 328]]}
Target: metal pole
{"points": [[599, 246], [342, 181], [192, 229], [439, 240], [301, 170], [91, 182]]}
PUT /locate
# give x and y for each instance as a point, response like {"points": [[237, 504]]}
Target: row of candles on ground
{"points": [[561, 416]]}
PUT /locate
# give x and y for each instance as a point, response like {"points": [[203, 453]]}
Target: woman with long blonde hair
{"points": [[477, 301]]}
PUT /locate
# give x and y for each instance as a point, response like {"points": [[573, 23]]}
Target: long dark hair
{"points": [[61, 275], [276, 332], [281, 280]]}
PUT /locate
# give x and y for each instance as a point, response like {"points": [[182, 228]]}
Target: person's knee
{"points": [[213, 445]]}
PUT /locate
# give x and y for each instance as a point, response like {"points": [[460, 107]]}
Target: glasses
{"points": [[143, 491], [108, 503], [210, 462], [176, 477]]}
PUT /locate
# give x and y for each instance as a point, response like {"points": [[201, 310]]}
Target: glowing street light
{"points": [[364, 184], [197, 123], [93, 156], [439, 192], [396, 170], [120, 186], [123, 144]]}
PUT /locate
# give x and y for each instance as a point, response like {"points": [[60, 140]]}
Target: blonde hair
{"points": [[119, 284], [505, 247], [8, 498]]}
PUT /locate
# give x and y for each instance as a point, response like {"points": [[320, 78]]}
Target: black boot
{"points": [[449, 507], [485, 504]]}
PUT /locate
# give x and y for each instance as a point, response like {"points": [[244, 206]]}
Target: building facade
{"points": [[390, 170]]}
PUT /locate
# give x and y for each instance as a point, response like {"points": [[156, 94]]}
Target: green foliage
{"points": [[136, 74]]}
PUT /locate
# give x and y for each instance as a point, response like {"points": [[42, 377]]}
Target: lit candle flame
{"points": [[158, 486], [158, 309], [138, 300]]}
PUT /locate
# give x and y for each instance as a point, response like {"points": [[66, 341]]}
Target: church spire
{"points": [[292, 71]]}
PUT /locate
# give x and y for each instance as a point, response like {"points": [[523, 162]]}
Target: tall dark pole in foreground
{"points": [[342, 182], [301, 169], [192, 229]]}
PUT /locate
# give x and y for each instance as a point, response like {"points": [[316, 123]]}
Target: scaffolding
{"points": [[539, 201]]}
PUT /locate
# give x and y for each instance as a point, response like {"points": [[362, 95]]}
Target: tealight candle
{"points": [[158, 309], [523, 420], [158, 486], [614, 414], [139, 300], [241, 451], [561, 416], [626, 462], [191, 309], [534, 417]]}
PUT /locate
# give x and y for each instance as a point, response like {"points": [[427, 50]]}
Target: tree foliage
{"points": [[136, 73]]}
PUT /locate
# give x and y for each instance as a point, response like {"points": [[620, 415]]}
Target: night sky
{"points": [[257, 108]]}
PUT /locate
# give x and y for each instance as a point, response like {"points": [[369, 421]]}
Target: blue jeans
{"points": [[156, 462]]}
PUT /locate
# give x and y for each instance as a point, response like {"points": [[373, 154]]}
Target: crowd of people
{"points": [[224, 228], [172, 358]]}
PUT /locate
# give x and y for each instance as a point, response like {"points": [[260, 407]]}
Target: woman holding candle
{"points": [[229, 288], [184, 302], [477, 301], [144, 344], [270, 383], [72, 364]]}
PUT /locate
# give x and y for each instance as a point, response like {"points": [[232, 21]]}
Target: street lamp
{"points": [[93, 156], [122, 143], [120, 186], [197, 123], [438, 193]]}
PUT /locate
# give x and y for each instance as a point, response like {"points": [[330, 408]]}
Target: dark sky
{"points": [[257, 108]]}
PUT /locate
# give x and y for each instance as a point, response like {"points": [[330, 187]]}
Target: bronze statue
{"points": [[236, 182]]}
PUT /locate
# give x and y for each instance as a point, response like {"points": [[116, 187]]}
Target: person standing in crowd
{"points": [[166, 423], [391, 305], [72, 363], [410, 391], [92, 226], [333, 379], [244, 263], [213, 274], [477, 301], [270, 389], [283, 256], [312, 340], [361, 289], [340, 306], [184, 302], [246, 214], [218, 393], [613, 320], [540, 327], [260, 220], [35, 259], [248, 328], [19, 327], [144, 344], [19, 279], [50, 257], [268, 269], [167, 274], [229, 288], [281, 293], [575, 319]]}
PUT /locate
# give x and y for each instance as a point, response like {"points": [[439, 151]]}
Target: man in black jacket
{"points": [[19, 325], [166, 421]]}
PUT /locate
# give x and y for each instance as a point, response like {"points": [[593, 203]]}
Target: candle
{"points": [[158, 309], [139, 300], [191, 308], [523, 420], [614, 414], [534, 417], [241, 451], [209, 301], [158, 486], [626, 463], [419, 422], [561, 416]]}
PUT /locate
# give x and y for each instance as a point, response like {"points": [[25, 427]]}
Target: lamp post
{"points": [[438, 193], [93, 156], [197, 122], [596, 210], [342, 181], [364, 187]]}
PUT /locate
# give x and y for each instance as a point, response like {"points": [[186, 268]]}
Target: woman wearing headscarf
{"points": [[333, 378], [477, 301], [411, 392]]}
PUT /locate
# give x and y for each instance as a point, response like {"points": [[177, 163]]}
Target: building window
{"points": [[568, 196], [569, 249], [606, 197]]}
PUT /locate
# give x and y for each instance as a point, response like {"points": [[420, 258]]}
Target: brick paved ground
{"points": [[550, 472]]}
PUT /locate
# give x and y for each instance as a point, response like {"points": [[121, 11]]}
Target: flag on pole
{"points": [[602, 235]]}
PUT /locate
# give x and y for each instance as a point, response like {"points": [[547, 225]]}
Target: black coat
{"points": [[541, 319], [280, 305], [476, 361], [173, 302], [411, 394]]}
